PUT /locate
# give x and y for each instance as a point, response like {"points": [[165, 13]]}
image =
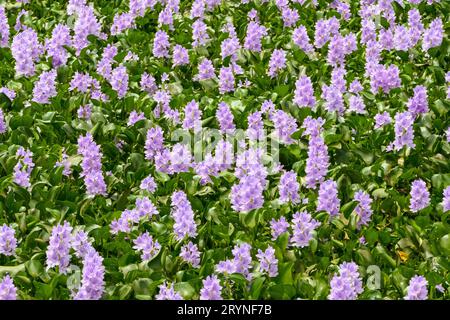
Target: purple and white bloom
{"points": [[328, 198], [65, 163], [45, 87], [183, 215], [278, 227], [167, 292], [92, 282], [85, 112], [149, 184], [277, 62], [7, 289], [154, 142], [190, 254], [211, 289], [304, 92], [23, 168], [433, 35], [446, 200], [417, 288], [363, 208], [26, 50], [289, 187], [135, 117], [161, 45], [58, 250], [348, 284], [419, 102], [382, 119], [268, 263], [303, 226], [420, 196], [404, 132], [8, 242], [199, 33], [119, 81], [55, 45], [147, 246], [285, 126], [192, 116], [180, 56], [4, 28]]}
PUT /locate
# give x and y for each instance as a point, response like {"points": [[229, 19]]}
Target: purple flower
{"points": [[148, 183], [356, 104], [318, 159], [3, 127], [433, 35], [304, 92], [324, 30], [328, 198], [199, 34], [55, 45], [404, 132], [104, 66], [92, 282], [85, 25], [192, 116], [121, 22], [147, 246], [277, 62], [205, 70], [278, 227], [334, 100], [81, 244], [363, 209], [161, 45], [300, 38], [383, 77], [355, 87], [382, 119], [26, 49], [289, 187], [11, 94], [290, 16], [135, 117], [59, 247], [247, 194], [285, 126], [211, 289], [268, 263], [190, 254], [402, 39], [65, 162], [147, 83], [226, 80], [348, 284], [180, 56], [417, 289], [303, 226], [45, 87], [4, 28], [230, 47], [7, 289], [154, 143], [167, 293], [242, 258], [23, 168], [255, 130], [420, 196], [85, 112], [225, 118], [419, 102], [91, 165], [255, 33], [119, 81], [8, 242], [446, 200], [183, 215]]}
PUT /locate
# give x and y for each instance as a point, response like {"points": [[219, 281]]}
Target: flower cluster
{"points": [[348, 284], [8, 242], [183, 215], [23, 168]]}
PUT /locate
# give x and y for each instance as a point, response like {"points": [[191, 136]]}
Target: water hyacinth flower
{"points": [[148, 183], [277, 62], [247, 194], [303, 226], [135, 117], [154, 142], [104, 66], [26, 50], [11, 94], [65, 163], [328, 198], [3, 127], [211, 289], [446, 200], [225, 118], [348, 284], [382, 119], [205, 70], [119, 81], [268, 263], [86, 24], [433, 35], [7, 289], [255, 130], [45, 87], [190, 254], [226, 80], [149, 247], [285, 126], [417, 288], [385, 78], [318, 158], [92, 282], [419, 102], [278, 227], [8, 242], [91, 165], [289, 187], [55, 45], [404, 132], [199, 33], [420, 196], [58, 250], [255, 33], [180, 56], [23, 168], [81, 244], [121, 22], [85, 112], [301, 39], [183, 215], [4, 28], [363, 209], [304, 92], [242, 259], [167, 292], [192, 116], [161, 44]]}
